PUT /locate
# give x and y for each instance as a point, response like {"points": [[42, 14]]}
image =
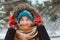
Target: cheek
{"points": [[29, 22], [21, 23]]}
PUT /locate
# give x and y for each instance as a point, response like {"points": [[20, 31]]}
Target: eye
{"points": [[21, 20], [27, 19]]}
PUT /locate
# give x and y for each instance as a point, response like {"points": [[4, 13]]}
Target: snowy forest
{"points": [[49, 10]]}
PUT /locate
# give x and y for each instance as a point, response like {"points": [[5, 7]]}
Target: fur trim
{"points": [[24, 6]]}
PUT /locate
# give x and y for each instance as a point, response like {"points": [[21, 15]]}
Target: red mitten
{"points": [[38, 20], [12, 22]]}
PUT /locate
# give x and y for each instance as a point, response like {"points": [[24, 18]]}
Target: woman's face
{"points": [[25, 22]]}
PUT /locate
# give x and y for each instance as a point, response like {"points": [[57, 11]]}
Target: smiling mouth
{"points": [[25, 24]]}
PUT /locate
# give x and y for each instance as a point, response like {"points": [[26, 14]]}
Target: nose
{"points": [[25, 22]]}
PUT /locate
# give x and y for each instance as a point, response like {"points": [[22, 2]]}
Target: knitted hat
{"points": [[25, 13]]}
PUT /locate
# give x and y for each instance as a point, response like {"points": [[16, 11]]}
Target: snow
{"points": [[3, 33], [55, 38]]}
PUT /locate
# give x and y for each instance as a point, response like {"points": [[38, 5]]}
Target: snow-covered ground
{"points": [[55, 38], [2, 33], [54, 35]]}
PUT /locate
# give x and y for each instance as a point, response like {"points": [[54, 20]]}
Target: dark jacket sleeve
{"points": [[42, 33], [10, 34]]}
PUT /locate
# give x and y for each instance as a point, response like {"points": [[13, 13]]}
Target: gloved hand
{"points": [[38, 21], [12, 22]]}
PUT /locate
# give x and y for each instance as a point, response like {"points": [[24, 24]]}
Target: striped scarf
{"points": [[21, 35]]}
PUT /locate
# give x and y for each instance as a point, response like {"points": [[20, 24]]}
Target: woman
{"points": [[26, 24]]}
